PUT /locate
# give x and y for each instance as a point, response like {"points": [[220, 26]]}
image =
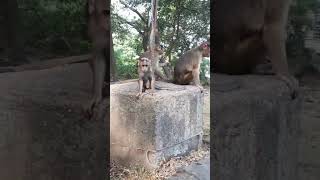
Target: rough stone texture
{"points": [[43, 134], [147, 130], [309, 141], [256, 128], [195, 171]]}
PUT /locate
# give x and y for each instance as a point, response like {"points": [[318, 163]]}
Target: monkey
{"points": [[187, 68], [146, 38], [146, 75], [99, 31], [248, 34], [155, 61], [159, 53]]}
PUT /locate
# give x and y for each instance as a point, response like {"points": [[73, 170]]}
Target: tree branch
{"points": [[134, 10], [132, 24], [176, 28]]}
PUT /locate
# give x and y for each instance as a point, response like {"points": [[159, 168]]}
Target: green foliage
{"points": [[205, 72], [126, 57], [58, 26], [299, 24], [126, 66], [182, 24]]}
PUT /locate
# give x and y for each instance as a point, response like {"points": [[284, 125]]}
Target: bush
{"points": [[205, 72], [55, 25], [126, 65]]}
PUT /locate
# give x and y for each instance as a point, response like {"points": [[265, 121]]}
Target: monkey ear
{"points": [[203, 45]]}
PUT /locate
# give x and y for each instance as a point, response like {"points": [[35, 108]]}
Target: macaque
{"points": [[187, 68], [155, 61], [99, 31], [146, 75], [248, 34]]}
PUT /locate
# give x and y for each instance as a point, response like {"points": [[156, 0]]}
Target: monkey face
{"points": [[144, 64], [205, 49]]}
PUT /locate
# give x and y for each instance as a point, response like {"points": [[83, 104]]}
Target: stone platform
{"points": [[153, 128], [256, 127]]}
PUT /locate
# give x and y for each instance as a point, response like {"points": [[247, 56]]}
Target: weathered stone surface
{"points": [[309, 141], [43, 134], [256, 127], [195, 171], [146, 130]]}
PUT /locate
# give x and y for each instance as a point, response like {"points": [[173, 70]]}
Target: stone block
{"points": [[256, 127], [147, 130]]}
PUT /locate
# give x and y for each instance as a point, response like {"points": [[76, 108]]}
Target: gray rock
{"points": [[199, 170], [147, 130], [256, 127]]}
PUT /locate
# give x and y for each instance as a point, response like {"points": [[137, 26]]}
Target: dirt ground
{"points": [[43, 131], [309, 142]]}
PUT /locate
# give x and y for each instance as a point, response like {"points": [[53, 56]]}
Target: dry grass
{"points": [[165, 170]]}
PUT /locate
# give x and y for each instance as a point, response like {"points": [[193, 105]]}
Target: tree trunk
{"points": [[145, 38]]}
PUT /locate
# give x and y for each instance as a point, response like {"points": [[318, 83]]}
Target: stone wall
{"points": [[147, 130]]}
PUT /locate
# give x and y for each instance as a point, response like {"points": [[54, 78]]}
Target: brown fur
{"points": [[187, 68], [99, 32], [248, 31], [155, 61], [146, 75]]}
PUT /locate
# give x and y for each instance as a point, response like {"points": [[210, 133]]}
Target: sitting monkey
{"points": [[245, 44], [187, 68]]}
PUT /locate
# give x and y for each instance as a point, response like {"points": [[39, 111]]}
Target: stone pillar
{"points": [[147, 130], [255, 129]]}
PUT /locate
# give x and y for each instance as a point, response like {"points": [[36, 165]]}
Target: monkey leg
{"points": [[274, 38], [149, 84], [152, 81], [145, 85], [183, 79], [141, 84], [90, 62], [196, 78], [99, 68]]}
